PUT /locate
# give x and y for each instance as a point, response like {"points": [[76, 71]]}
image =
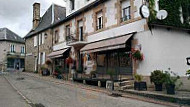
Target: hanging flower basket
{"points": [[69, 60], [137, 55]]}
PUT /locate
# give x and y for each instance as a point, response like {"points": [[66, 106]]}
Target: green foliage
{"points": [[157, 77], [173, 9], [152, 11], [111, 72], [58, 70], [171, 78], [43, 67], [36, 71], [138, 78], [188, 73], [137, 55]]}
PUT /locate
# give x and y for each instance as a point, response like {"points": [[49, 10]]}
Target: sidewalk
{"points": [[181, 97], [147, 96]]}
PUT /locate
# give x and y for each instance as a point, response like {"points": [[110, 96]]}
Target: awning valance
{"points": [[109, 44], [57, 54]]}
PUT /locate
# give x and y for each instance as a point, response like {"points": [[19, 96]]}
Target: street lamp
{"points": [[188, 60]]}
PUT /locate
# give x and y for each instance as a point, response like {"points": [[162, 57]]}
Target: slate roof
{"points": [[46, 20], [8, 35]]}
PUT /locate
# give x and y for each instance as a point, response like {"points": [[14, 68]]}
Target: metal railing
{"points": [[71, 39], [125, 18]]}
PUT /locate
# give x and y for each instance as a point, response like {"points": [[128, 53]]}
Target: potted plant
{"points": [[111, 73], [139, 84], [57, 73], [137, 55], [170, 81], [157, 77], [93, 74], [188, 73]]}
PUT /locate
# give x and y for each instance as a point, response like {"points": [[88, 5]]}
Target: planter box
{"points": [[170, 89], [158, 87], [140, 86]]}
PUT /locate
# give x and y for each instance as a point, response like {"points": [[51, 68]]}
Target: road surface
{"points": [[49, 94]]}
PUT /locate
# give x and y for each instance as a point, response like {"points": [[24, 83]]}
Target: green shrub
{"points": [[157, 77], [138, 78], [188, 73]]}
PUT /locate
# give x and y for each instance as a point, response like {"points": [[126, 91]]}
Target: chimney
{"points": [[36, 15]]}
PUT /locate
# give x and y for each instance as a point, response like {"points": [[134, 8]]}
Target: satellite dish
{"points": [[144, 11], [162, 14]]}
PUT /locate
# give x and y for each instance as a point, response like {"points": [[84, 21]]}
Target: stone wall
{"points": [[4, 48]]}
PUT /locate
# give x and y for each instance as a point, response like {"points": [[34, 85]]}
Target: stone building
{"points": [[12, 51], [39, 39], [101, 36]]}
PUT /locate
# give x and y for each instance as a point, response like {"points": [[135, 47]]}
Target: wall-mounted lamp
{"points": [[188, 60]]}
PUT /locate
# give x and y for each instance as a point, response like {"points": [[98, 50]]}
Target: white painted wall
{"points": [[60, 46], [137, 26], [88, 22], [164, 49], [78, 5], [138, 4], [111, 12]]}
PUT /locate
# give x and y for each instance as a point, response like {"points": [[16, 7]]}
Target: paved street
{"points": [[8, 96], [49, 94]]}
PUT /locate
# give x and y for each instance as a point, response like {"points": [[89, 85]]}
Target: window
{"points": [[67, 30], [72, 4], [56, 36], [80, 30], [22, 50], [126, 10], [99, 20], [41, 58], [35, 41], [43, 37], [40, 39], [12, 48]]}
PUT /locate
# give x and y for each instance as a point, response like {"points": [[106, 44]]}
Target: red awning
{"points": [[108, 44], [57, 54]]}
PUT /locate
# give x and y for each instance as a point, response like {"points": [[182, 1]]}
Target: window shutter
{"points": [[39, 58], [35, 41], [39, 39], [43, 38], [44, 58]]}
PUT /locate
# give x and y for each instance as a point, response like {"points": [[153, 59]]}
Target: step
{"points": [[126, 87]]}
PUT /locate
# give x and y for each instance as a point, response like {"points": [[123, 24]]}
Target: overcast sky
{"points": [[17, 14]]}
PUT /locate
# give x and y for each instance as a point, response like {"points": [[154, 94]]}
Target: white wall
{"points": [[111, 12], [78, 5], [164, 49], [60, 46], [88, 22], [137, 26]]}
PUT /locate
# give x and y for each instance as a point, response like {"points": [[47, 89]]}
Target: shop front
{"points": [[58, 58], [108, 59]]}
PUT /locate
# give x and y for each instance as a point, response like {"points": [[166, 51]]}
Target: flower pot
{"points": [[158, 87], [170, 89], [140, 86]]}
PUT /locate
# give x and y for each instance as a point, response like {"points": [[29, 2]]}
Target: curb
{"points": [[180, 101], [25, 99]]}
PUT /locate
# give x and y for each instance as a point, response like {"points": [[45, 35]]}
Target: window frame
{"points": [[99, 20], [126, 17]]}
